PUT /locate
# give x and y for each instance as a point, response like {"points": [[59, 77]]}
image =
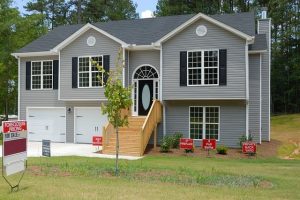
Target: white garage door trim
{"points": [[65, 109], [75, 114]]}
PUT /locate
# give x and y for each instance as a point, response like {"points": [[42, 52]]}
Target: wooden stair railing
{"points": [[150, 125]]}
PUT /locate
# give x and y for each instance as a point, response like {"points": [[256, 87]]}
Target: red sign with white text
{"points": [[186, 143], [14, 146], [97, 141], [209, 144], [14, 126], [249, 147]]}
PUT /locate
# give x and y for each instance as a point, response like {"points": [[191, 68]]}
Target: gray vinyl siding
{"points": [[216, 38], [35, 98], [79, 47], [138, 58], [254, 97], [232, 119], [265, 87]]}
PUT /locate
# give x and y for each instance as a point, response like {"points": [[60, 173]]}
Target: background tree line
{"points": [[17, 30]]}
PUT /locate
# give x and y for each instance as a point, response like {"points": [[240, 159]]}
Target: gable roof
{"points": [[139, 31]]}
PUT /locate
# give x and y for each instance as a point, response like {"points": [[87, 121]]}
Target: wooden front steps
{"points": [[134, 138]]}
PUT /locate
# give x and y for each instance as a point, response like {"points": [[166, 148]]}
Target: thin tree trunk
{"points": [[117, 151], [79, 10]]}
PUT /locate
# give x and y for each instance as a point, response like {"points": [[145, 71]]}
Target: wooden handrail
{"points": [[151, 121]]}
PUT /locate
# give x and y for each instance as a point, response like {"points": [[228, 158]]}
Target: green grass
{"points": [[158, 177], [286, 129]]}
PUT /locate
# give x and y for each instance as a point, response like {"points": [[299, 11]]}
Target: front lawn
{"points": [[158, 177]]}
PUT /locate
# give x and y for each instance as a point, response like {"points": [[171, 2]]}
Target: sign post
{"points": [[208, 144], [14, 150], [186, 144], [97, 141], [249, 148]]}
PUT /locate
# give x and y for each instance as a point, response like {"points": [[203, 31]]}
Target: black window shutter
{"points": [[183, 68], [106, 61], [55, 74], [222, 67], [28, 75], [74, 71]]}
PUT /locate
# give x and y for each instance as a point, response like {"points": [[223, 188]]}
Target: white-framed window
{"points": [[203, 67], [88, 74], [41, 75], [204, 122]]}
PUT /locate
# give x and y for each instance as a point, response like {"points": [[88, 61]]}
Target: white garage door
{"points": [[46, 123], [88, 123]]}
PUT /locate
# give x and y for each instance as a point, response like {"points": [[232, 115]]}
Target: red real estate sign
{"points": [[249, 147], [186, 143], [14, 146], [209, 144], [97, 141]]}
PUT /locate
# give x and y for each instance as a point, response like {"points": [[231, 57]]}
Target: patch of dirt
{"points": [[264, 150], [265, 184], [40, 171], [295, 153]]}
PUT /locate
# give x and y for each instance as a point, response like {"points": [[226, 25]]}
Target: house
{"points": [[203, 76]]}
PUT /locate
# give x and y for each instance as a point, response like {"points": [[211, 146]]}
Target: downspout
{"points": [[123, 65], [160, 88], [19, 82]]}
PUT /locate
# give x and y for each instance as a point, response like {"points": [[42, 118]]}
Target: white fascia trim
{"points": [[80, 32], [209, 19], [247, 88], [222, 98], [19, 87], [257, 51], [31, 54], [134, 47], [83, 99]]}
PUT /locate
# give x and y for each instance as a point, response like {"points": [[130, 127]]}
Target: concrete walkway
{"points": [[69, 149]]}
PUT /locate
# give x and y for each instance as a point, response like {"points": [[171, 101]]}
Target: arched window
{"points": [[145, 72]]}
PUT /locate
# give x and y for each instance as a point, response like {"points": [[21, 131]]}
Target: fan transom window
{"points": [[145, 72]]}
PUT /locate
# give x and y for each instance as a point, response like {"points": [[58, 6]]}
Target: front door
{"points": [[145, 96]]}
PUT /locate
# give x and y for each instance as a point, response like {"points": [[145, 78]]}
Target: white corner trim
{"points": [[58, 96], [209, 19], [161, 73], [80, 32], [19, 88], [270, 43], [247, 88], [260, 96]]}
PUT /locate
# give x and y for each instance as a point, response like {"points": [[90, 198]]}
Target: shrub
{"points": [[166, 144], [222, 150], [1, 137], [189, 150], [176, 140], [244, 138]]}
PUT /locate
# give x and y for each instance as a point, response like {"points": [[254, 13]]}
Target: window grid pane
{"points": [[211, 67], [196, 122], [84, 80], [98, 60], [194, 67], [36, 82], [96, 79], [84, 64], [36, 68], [212, 123]]}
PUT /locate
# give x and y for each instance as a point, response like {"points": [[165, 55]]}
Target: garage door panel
{"points": [[88, 123], [47, 123]]}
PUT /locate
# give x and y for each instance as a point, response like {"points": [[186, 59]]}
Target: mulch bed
{"points": [[264, 150]]}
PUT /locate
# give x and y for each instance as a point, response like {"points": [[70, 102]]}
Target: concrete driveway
{"points": [[69, 149]]}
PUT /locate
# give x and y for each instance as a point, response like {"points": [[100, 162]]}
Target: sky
{"points": [[145, 7]]}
